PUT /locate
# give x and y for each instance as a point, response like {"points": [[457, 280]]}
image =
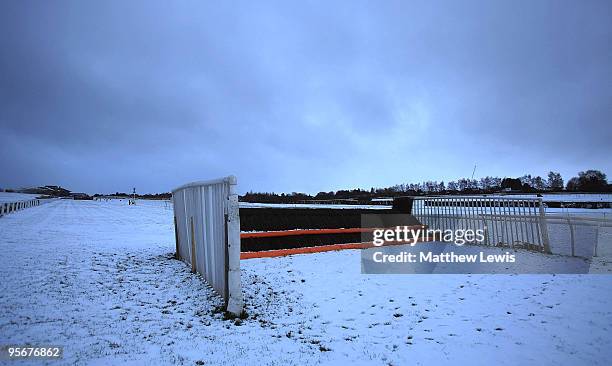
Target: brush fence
{"points": [[207, 228]]}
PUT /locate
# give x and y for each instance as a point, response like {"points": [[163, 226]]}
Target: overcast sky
{"points": [[301, 96]]}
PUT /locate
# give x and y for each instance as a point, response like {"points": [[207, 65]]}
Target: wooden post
{"points": [[193, 248], [176, 240]]}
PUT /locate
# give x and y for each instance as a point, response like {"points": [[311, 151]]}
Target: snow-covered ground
{"points": [[98, 278], [559, 197], [600, 213], [568, 197], [168, 203], [16, 197]]}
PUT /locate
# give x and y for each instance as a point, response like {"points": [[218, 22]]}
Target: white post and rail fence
{"points": [[207, 230], [11, 207]]}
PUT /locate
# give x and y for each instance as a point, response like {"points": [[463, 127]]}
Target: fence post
{"points": [[544, 228], [596, 239], [571, 228], [235, 301], [176, 239]]}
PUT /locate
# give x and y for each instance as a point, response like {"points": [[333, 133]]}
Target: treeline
{"points": [[586, 181]]}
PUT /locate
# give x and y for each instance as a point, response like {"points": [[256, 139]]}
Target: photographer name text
{"points": [[451, 257]]}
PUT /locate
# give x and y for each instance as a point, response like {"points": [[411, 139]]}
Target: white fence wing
{"points": [[507, 221], [207, 224]]}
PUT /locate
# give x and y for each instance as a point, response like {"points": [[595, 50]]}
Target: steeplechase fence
{"points": [[293, 230], [10, 207], [207, 229]]}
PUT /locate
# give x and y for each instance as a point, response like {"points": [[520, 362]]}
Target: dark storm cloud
{"points": [[301, 96]]}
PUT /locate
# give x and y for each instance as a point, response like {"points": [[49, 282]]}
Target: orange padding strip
{"points": [[319, 249], [271, 234]]}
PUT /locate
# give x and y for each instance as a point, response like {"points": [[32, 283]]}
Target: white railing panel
{"points": [[506, 221], [208, 235]]}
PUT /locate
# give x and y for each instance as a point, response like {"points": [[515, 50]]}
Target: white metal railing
{"points": [[10, 207], [207, 228], [505, 221], [580, 236]]}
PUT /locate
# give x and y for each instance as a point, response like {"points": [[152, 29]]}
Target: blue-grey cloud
{"points": [[296, 96]]}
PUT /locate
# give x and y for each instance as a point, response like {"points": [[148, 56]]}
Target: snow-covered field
{"points": [[568, 197], [98, 278]]}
